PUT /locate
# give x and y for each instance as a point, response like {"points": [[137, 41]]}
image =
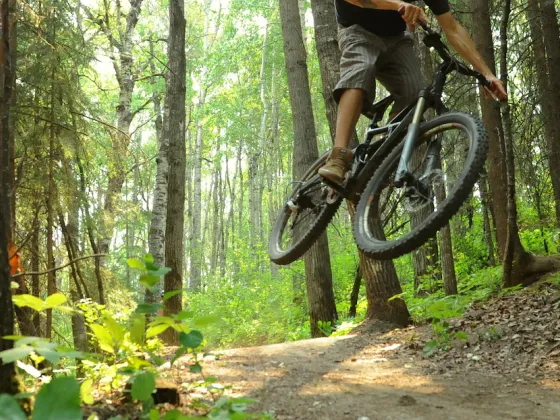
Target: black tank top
{"points": [[380, 22]]}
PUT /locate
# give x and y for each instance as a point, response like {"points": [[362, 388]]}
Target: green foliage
{"points": [[119, 345], [10, 409], [143, 386], [59, 399]]}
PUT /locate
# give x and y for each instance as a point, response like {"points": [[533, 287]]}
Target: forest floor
{"points": [[507, 368]]}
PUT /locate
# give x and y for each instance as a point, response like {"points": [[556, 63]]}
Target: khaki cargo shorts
{"points": [[391, 60]]}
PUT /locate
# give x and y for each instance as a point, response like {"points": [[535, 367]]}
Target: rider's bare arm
{"points": [[461, 41]]}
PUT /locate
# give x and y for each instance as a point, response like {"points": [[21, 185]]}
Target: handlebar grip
{"points": [[483, 81], [422, 24]]}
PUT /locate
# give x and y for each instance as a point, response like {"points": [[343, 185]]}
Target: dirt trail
{"points": [[366, 377], [508, 367]]}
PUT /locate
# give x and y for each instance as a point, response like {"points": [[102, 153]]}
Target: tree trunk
{"points": [[524, 263], [35, 277], [375, 273], [89, 227], [543, 42], [324, 18], [196, 237], [493, 121], [175, 133], [488, 230], [318, 273], [355, 292], [7, 371], [446, 247], [51, 276], [156, 236]]}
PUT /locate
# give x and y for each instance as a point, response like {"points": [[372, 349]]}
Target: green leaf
{"points": [[10, 409], [55, 300], [148, 308], [196, 368], [116, 330], [14, 285], [170, 294], [51, 355], [86, 391], [156, 360], [206, 320], [150, 266], [134, 263], [176, 415], [149, 258], [15, 337], [183, 315], [161, 271], [143, 386], [191, 340], [460, 335], [30, 301], [103, 337], [18, 353], [156, 330], [149, 280], [430, 348], [137, 327], [59, 399]]}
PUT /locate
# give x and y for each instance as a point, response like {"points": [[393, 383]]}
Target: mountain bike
{"points": [[408, 177]]}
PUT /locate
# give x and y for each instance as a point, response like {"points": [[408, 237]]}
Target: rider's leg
{"points": [[399, 70], [355, 89], [349, 110]]}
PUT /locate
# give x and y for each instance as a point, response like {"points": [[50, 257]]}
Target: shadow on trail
{"points": [[361, 376]]}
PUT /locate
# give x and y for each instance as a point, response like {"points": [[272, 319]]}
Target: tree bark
{"points": [[543, 30], [488, 230], [318, 275], [355, 292], [156, 236], [175, 133], [51, 277], [524, 263], [7, 371], [35, 277], [379, 276]]}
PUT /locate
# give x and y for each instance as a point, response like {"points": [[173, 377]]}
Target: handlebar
{"points": [[433, 39]]}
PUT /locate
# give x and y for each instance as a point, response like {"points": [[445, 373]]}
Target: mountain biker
{"points": [[374, 45]]}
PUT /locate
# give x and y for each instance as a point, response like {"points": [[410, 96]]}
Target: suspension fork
{"points": [[403, 172], [433, 155]]}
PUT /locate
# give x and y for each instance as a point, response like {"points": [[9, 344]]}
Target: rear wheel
{"points": [[303, 217], [392, 221]]}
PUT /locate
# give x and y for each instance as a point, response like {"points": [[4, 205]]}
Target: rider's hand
{"points": [[412, 14], [496, 88]]}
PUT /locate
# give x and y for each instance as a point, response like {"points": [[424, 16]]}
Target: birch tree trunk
{"points": [[175, 133], [156, 236], [126, 72], [318, 275]]}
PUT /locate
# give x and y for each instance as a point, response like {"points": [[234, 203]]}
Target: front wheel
{"points": [[303, 217], [392, 221]]}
